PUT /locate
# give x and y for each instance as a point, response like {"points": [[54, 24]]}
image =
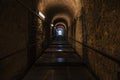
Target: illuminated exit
{"points": [[59, 31]]}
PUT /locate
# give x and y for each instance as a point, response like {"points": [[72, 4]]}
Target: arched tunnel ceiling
{"points": [[60, 20], [53, 10], [66, 9], [61, 25], [64, 18]]}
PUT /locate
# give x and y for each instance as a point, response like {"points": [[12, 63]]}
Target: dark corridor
{"points": [[59, 62], [59, 40]]}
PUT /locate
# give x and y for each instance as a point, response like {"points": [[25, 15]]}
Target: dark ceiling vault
{"points": [[53, 10], [60, 20]]}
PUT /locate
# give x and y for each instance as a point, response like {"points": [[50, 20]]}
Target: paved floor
{"points": [[59, 62]]}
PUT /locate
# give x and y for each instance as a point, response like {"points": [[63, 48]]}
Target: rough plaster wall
{"points": [[102, 22]]}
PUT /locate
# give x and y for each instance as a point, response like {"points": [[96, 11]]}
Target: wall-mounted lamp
{"points": [[42, 15]]}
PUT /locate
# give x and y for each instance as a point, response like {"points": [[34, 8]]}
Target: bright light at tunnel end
{"points": [[42, 15], [59, 32]]}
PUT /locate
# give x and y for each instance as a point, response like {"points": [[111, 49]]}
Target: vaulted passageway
{"points": [[59, 39], [59, 62]]}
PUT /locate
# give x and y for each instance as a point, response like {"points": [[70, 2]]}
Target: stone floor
{"points": [[59, 62]]}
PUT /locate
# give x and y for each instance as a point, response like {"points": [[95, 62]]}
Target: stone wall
{"points": [[40, 38], [16, 27], [102, 20], [78, 36]]}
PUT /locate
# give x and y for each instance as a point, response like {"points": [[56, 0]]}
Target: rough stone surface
{"points": [[102, 19], [13, 40], [15, 25]]}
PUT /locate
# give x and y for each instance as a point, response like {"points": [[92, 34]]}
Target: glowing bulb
{"points": [[52, 25]]}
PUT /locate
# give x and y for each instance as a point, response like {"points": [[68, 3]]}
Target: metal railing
{"points": [[98, 51], [18, 51]]}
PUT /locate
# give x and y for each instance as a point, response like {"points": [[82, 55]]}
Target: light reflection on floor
{"points": [[60, 45], [59, 50], [60, 59]]}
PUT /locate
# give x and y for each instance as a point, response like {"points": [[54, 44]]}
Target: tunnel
{"points": [[59, 40]]}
